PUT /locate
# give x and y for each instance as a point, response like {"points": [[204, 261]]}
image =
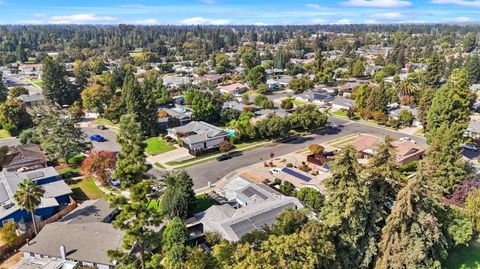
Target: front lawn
{"points": [[203, 202], [342, 113], [297, 103], [38, 83], [156, 146], [86, 189], [464, 257]]}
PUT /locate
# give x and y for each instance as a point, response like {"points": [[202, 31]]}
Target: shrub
{"points": [[289, 165]]}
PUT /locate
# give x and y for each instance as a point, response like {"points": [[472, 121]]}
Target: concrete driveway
{"points": [[179, 154], [109, 134]]}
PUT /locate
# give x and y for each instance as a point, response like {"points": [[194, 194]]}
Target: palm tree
{"points": [[407, 87], [28, 196]]}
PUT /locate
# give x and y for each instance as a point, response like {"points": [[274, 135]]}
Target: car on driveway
{"points": [[223, 157], [101, 127], [97, 138], [406, 138], [470, 147], [275, 170]]}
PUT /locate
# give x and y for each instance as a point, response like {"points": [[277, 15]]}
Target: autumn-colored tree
{"points": [[225, 146], [316, 149], [99, 164], [8, 233]]}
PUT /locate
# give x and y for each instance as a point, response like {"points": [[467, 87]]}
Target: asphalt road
{"points": [[213, 171], [110, 135]]}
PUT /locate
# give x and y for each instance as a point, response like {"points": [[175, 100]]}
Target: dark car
{"points": [[97, 138], [101, 127], [223, 157]]}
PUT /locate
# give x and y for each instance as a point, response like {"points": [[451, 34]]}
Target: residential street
{"points": [[213, 171]]}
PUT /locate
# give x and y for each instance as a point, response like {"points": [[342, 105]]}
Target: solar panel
{"points": [[249, 192], [296, 174], [35, 175]]}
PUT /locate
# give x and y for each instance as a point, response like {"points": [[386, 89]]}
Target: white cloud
{"points": [[79, 19], [459, 19], [317, 21], [203, 21], [378, 3], [260, 24], [343, 21], [147, 22], [371, 21], [390, 15], [313, 6], [467, 3]]}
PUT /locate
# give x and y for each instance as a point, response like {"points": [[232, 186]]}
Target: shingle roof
{"points": [[89, 211]]}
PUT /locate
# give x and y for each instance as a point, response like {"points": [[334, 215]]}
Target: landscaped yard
{"points": [[38, 83], [297, 103], [4, 134], [203, 203], [465, 257], [156, 146], [342, 113], [86, 189]]}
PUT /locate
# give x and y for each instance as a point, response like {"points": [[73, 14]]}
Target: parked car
{"points": [[97, 138], [223, 157], [470, 147], [275, 170], [405, 138], [101, 127]]}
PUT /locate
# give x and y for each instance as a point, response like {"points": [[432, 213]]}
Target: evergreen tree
{"points": [[131, 159], [178, 199], [473, 69], [56, 87], [433, 74], [346, 209], [412, 236], [424, 104]]}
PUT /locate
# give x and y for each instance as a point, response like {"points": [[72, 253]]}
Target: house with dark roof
{"points": [[172, 117], [25, 157], [81, 238], [199, 137], [250, 206], [57, 194], [33, 100]]}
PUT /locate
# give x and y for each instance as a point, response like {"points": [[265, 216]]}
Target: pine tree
{"points": [[346, 208], [412, 236], [131, 159], [56, 87]]}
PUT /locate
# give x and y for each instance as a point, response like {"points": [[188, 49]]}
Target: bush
{"points": [[311, 198], [76, 160], [409, 167], [225, 146], [287, 188], [289, 165]]}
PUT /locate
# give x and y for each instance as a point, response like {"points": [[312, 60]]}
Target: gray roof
{"points": [[261, 207], [87, 242], [474, 127], [341, 101], [199, 131], [90, 211], [396, 112], [32, 98]]}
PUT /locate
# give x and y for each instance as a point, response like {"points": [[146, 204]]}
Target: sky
{"points": [[219, 12]]}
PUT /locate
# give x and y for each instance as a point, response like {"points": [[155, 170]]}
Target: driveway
{"points": [[109, 134], [179, 154]]}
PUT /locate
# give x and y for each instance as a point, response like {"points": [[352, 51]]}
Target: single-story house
{"points": [[234, 89], [239, 106], [251, 206], [213, 78], [173, 118], [342, 103], [395, 113], [26, 157], [81, 238], [33, 100], [317, 97], [199, 137], [473, 130], [57, 194], [175, 82]]}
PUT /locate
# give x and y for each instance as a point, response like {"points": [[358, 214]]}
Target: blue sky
{"points": [[260, 12]]}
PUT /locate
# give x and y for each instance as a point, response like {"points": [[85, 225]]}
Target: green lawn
{"points": [[297, 103], [69, 170], [156, 146], [159, 165], [105, 122], [38, 83], [464, 257], [342, 113], [86, 189], [4, 134], [203, 203]]}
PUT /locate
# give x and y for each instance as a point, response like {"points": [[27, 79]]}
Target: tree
{"points": [[228, 114], [287, 188], [131, 159], [412, 236], [450, 106], [250, 58], [358, 69], [17, 91], [28, 196], [469, 42], [198, 258], [473, 68], [76, 111], [309, 117], [346, 208], [424, 105], [299, 85], [138, 222], [311, 198], [435, 68], [56, 87], [60, 137], [405, 117], [3, 89], [472, 207], [407, 87], [273, 126], [175, 233], [316, 149], [286, 104], [96, 97], [13, 113], [99, 164], [256, 76], [205, 106], [225, 146], [8, 233], [178, 198], [222, 64]]}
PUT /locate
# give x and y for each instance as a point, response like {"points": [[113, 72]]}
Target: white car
{"points": [[275, 170], [405, 138], [470, 147]]}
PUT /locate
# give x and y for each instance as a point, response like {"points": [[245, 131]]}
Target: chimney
{"points": [[63, 253]]}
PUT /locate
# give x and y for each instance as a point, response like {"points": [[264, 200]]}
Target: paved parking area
{"points": [[109, 134]]}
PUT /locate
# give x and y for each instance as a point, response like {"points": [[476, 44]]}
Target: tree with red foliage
{"points": [[99, 164], [460, 193]]}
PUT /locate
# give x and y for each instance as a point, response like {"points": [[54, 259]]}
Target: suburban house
{"points": [[239, 106], [25, 157], [57, 194], [250, 206], [211, 78], [395, 112], [317, 97], [342, 103], [81, 238], [473, 130], [234, 89], [33, 100], [172, 117], [406, 151], [199, 137], [175, 82]]}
